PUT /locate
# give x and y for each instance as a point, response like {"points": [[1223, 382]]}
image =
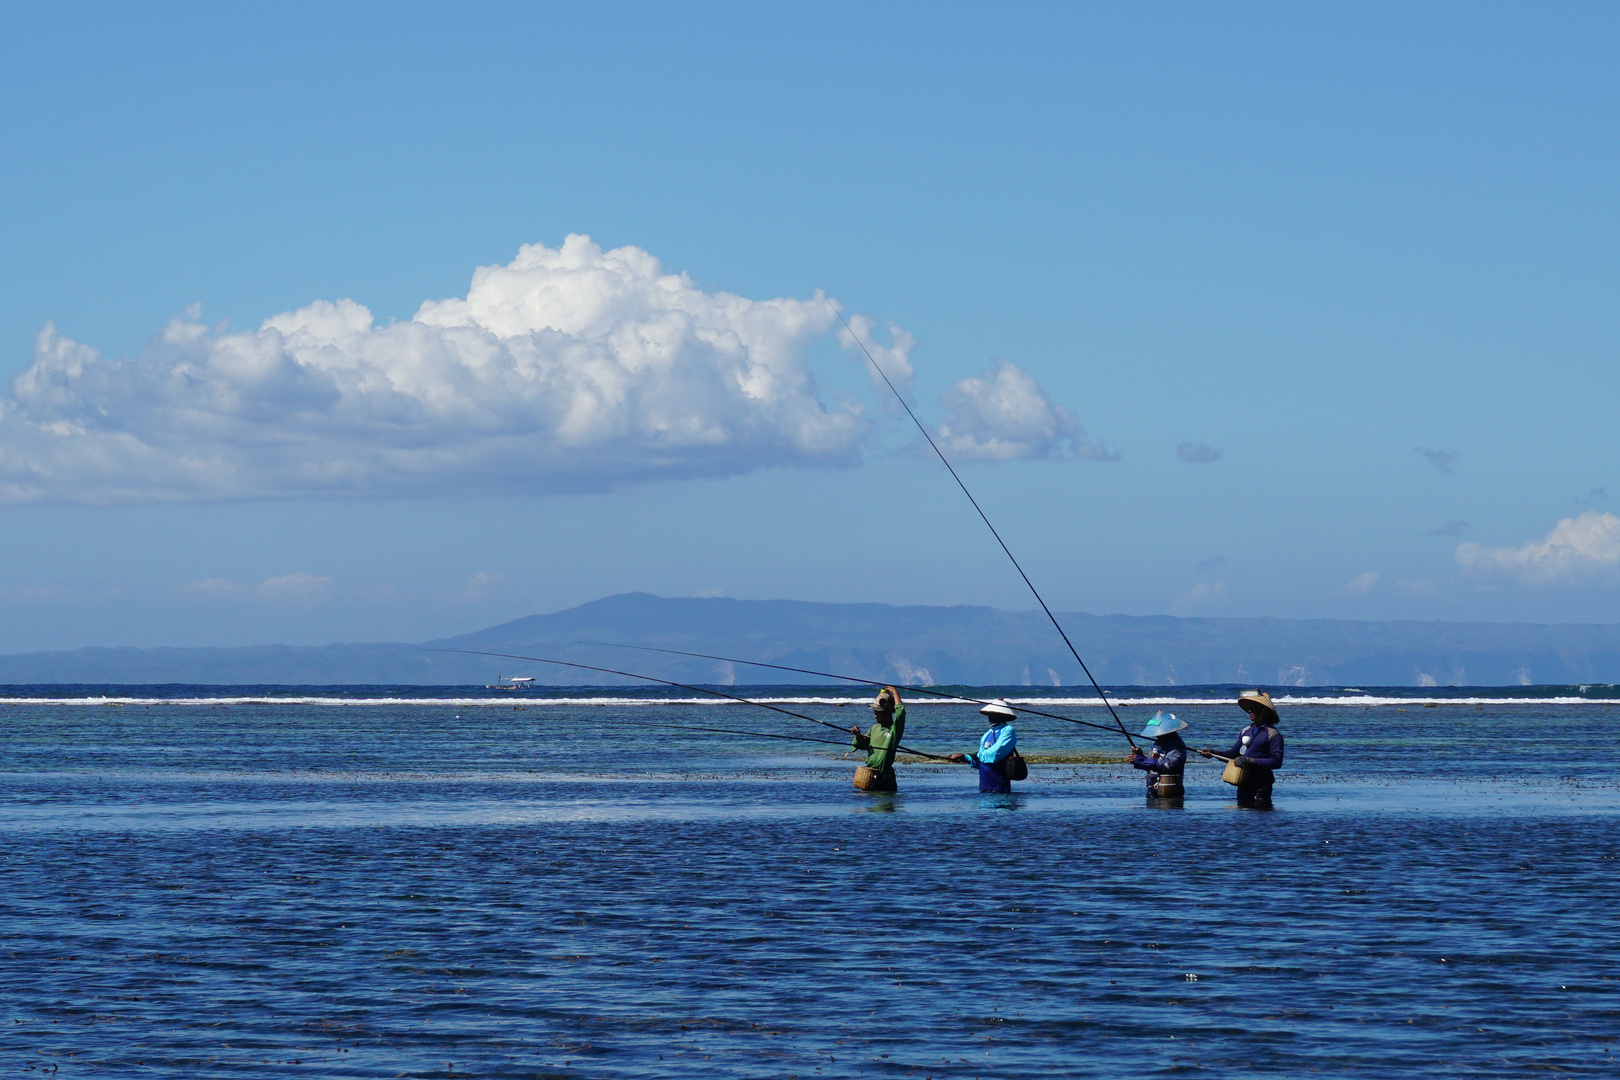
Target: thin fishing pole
{"points": [[795, 738], [1036, 592], [851, 678], [755, 734], [682, 686], [646, 678]]}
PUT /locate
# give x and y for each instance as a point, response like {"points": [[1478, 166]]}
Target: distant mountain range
{"points": [[918, 645]]}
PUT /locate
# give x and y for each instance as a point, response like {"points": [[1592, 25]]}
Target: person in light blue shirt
{"points": [[996, 749]]}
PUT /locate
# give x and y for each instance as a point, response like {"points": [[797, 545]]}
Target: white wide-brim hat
{"points": [[999, 707]]}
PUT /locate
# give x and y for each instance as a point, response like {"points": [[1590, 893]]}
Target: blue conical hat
{"points": [[1163, 723]]}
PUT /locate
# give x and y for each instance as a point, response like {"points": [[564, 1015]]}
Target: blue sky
{"points": [[1288, 310]]}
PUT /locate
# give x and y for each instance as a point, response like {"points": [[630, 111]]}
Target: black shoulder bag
{"points": [[1012, 767]]}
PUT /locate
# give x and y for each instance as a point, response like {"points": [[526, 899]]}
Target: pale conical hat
{"points": [[1261, 699], [999, 707], [1163, 723]]}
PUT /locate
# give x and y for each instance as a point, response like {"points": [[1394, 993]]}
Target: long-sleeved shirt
{"points": [[1169, 757], [883, 741], [1263, 746], [997, 743]]}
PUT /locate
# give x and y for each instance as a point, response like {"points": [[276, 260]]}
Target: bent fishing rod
{"points": [[680, 686], [853, 679], [983, 517]]}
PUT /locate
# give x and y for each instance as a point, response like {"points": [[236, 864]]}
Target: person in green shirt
{"points": [[883, 739]]}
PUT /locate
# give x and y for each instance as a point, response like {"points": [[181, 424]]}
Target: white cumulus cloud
{"points": [[894, 359], [1576, 548], [567, 369], [1004, 415]]}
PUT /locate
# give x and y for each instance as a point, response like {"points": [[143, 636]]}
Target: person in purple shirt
{"points": [[1169, 758], [995, 748], [1258, 750]]}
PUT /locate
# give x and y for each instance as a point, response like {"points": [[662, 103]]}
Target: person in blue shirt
{"points": [[1258, 750], [995, 749], [1169, 758]]}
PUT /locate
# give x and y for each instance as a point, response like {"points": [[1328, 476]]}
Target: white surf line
{"points": [[537, 702]]}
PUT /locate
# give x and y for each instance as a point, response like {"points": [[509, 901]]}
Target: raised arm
{"points": [[897, 732]]}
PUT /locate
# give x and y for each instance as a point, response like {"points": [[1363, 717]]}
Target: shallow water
{"points": [[447, 888]]}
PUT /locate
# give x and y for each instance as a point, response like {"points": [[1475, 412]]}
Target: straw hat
{"points": [[1261, 701], [1163, 723], [999, 707]]}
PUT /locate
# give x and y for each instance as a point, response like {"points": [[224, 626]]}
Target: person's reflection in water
{"points": [[1009, 800], [883, 802]]}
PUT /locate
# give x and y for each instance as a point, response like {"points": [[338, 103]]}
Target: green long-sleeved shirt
{"points": [[883, 741]]}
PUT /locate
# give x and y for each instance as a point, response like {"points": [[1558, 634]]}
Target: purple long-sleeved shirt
{"points": [[1262, 745], [1169, 757]]}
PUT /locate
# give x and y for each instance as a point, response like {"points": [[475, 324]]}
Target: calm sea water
{"points": [[387, 884]]}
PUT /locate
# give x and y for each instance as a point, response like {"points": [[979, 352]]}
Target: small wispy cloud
{"points": [[1199, 453], [1423, 586], [1575, 549], [482, 586], [1440, 459], [301, 590], [1004, 415], [1211, 563], [1450, 528], [1361, 583], [1200, 595]]}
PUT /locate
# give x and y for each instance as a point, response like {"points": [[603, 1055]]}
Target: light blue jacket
{"points": [[997, 743]]}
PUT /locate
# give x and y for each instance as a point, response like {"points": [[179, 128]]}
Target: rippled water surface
{"points": [[436, 888]]}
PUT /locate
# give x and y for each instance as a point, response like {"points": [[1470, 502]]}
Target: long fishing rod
{"points": [[678, 685], [851, 678], [982, 516], [755, 734]]}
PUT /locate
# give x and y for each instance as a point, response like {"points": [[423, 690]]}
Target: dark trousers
{"points": [[1258, 793], [991, 781], [885, 781]]}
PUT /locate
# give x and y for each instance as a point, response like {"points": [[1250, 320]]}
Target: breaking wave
{"points": [[460, 697]]}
